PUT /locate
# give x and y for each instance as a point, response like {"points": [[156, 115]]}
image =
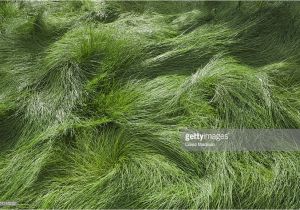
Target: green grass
{"points": [[94, 96]]}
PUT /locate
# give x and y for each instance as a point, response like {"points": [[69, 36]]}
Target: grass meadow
{"points": [[94, 94]]}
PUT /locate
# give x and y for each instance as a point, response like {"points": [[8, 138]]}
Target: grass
{"points": [[94, 96]]}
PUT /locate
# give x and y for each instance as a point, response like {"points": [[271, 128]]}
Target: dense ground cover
{"points": [[94, 96]]}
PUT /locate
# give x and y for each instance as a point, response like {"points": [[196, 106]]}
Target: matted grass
{"points": [[94, 95]]}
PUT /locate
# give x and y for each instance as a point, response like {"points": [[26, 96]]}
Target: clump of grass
{"points": [[192, 51], [219, 84]]}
